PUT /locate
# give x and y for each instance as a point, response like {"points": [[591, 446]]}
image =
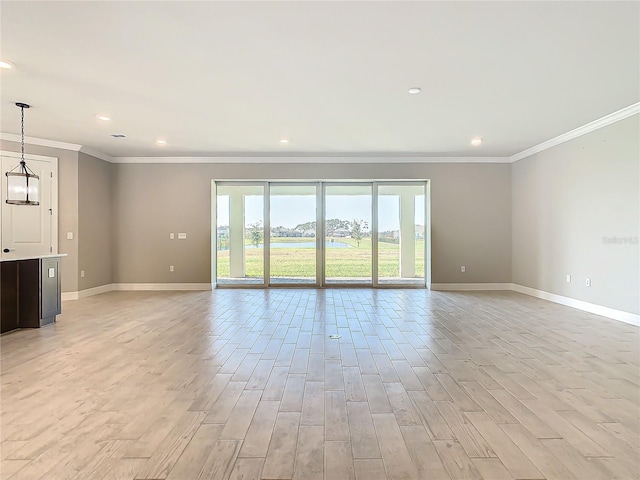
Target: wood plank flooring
{"points": [[247, 384]]}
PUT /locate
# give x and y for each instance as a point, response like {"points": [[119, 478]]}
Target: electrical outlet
{"points": [[568, 278], [171, 236], [171, 268], [588, 282], [463, 268], [82, 273]]}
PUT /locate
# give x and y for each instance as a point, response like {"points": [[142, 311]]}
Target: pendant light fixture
{"points": [[23, 185]]}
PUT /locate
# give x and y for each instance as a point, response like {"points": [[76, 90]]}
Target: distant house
{"points": [[278, 231], [341, 232], [284, 232]]}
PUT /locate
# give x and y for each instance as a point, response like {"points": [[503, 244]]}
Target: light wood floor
{"points": [[246, 384]]}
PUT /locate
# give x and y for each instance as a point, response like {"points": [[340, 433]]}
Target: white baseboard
{"points": [[111, 287], [620, 315], [89, 292], [470, 286], [612, 313], [161, 286]]}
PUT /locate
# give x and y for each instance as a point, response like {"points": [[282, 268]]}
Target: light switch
{"points": [[172, 236], [69, 235], [52, 272], [182, 236]]}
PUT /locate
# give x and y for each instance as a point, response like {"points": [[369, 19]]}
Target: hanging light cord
{"points": [[22, 134]]}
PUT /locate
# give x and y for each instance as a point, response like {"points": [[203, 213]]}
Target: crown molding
{"points": [[28, 156], [41, 142], [311, 159], [95, 153], [589, 127]]}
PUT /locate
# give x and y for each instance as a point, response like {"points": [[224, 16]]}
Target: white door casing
{"points": [[29, 230]]}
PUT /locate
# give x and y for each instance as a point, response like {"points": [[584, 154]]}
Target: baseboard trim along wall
{"points": [[161, 286], [89, 292], [612, 313], [626, 317], [134, 287], [470, 286]]}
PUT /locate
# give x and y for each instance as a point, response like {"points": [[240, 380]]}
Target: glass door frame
{"points": [[320, 231], [374, 243], [214, 229], [319, 228], [427, 231]]}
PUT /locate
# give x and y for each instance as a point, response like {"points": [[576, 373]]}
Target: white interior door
{"points": [[29, 230]]}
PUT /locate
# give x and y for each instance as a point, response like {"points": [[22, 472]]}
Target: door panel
{"points": [[401, 234], [27, 229], [293, 239], [240, 234], [348, 252]]}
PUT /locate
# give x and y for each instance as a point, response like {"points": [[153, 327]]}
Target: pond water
{"points": [[310, 244]]}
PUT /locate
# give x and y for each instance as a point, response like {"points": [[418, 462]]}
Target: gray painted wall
{"points": [[567, 202], [471, 215], [95, 221]]}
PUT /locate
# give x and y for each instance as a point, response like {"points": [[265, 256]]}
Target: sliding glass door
{"points": [[401, 234], [239, 234], [293, 238], [320, 233], [347, 224]]}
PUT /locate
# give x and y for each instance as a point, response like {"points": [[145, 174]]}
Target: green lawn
{"points": [[340, 262]]}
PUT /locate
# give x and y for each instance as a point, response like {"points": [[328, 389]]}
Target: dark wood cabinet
{"points": [[30, 292]]}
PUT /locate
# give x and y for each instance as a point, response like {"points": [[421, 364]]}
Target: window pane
{"points": [[348, 234], [401, 228], [240, 233], [293, 234]]}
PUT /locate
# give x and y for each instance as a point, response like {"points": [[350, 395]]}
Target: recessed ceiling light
{"points": [[415, 90], [161, 141], [104, 118], [118, 135], [284, 140], [475, 141]]}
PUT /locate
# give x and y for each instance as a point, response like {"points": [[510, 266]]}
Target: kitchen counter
{"points": [[30, 291], [35, 257]]}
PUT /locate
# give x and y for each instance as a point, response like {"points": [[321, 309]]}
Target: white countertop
{"points": [[35, 257]]}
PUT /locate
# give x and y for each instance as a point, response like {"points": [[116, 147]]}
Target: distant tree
{"points": [[334, 224], [358, 228], [305, 226], [255, 233]]}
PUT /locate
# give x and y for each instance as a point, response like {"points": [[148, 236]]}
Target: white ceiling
{"points": [[217, 78]]}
